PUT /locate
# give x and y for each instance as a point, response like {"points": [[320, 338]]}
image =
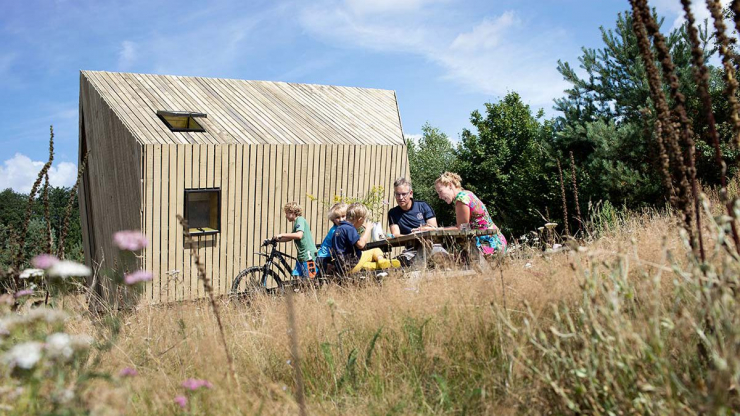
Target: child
{"points": [[347, 243], [301, 236], [337, 214]]}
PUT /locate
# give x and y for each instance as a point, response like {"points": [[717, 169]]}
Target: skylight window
{"points": [[181, 120]]}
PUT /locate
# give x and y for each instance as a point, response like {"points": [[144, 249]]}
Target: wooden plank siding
{"points": [[112, 185]]}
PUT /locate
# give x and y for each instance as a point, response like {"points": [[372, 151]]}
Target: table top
{"points": [[434, 235]]}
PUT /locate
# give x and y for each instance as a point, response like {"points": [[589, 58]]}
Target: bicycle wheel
{"points": [[249, 281]]}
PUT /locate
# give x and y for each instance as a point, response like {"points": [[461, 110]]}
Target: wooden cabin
{"points": [[226, 154]]}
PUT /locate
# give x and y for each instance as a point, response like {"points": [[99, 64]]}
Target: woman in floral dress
{"points": [[470, 212]]}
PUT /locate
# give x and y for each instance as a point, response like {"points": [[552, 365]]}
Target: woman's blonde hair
{"points": [[294, 208], [337, 210], [449, 179], [356, 211]]}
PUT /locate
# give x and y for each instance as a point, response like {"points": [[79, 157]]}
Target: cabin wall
{"points": [[110, 197], [255, 181]]}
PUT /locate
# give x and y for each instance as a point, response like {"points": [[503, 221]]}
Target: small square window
{"points": [[181, 120], [202, 208]]}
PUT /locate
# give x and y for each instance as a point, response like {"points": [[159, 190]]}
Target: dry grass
{"points": [[430, 344]]}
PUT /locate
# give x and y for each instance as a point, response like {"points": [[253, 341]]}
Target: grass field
{"points": [[614, 326]]}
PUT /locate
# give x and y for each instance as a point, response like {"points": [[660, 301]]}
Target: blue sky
{"points": [[444, 58]]}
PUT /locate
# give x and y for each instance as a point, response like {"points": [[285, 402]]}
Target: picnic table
{"points": [[423, 241]]}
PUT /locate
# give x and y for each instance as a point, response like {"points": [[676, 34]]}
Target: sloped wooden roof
{"points": [[250, 112]]}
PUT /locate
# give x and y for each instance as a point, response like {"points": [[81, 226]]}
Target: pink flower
{"points": [[181, 401], [24, 292], [195, 384], [44, 261], [137, 276], [130, 240], [128, 372]]}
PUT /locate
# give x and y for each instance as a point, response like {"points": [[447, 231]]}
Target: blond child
{"points": [[347, 243], [337, 214], [303, 239]]}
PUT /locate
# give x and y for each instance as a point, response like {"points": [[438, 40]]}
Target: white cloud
{"points": [[20, 172], [127, 55], [499, 54], [485, 35]]}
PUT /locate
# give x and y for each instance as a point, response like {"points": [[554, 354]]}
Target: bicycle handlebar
{"points": [[268, 242]]}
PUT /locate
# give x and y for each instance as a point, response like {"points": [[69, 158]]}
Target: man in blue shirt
{"points": [[408, 216]]}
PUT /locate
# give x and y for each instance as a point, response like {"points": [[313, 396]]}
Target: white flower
{"points": [[58, 345], [28, 273], [551, 225], [68, 268], [24, 355]]}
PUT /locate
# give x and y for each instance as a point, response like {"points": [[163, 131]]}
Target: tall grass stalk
{"points": [[70, 204], [565, 202], [211, 296], [575, 191], [20, 255]]}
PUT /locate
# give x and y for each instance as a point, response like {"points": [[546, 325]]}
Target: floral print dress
{"points": [[481, 220]]}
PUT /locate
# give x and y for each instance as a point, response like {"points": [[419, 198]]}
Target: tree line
{"points": [[602, 145]]}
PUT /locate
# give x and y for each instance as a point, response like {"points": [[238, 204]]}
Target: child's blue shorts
{"points": [[301, 269]]}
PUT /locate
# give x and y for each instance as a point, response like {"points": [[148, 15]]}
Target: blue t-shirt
{"points": [[343, 247], [408, 220], [325, 249]]}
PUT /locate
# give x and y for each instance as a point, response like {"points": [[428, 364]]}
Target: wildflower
{"points": [[551, 225], [44, 261], [25, 292], [24, 355], [195, 384], [137, 276], [29, 273], [130, 240], [128, 372], [181, 401], [59, 345], [66, 268], [540, 229]]}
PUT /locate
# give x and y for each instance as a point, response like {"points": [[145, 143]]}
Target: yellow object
{"points": [[368, 256], [383, 263], [371, 265]]}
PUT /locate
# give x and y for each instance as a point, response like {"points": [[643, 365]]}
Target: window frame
{"points": [[211, 231], [162, 114]]}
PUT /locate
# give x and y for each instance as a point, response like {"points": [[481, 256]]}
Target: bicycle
{"points": [[254, 279]]}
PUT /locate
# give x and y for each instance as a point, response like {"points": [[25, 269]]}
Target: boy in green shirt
{"points": [[303, 239]]}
